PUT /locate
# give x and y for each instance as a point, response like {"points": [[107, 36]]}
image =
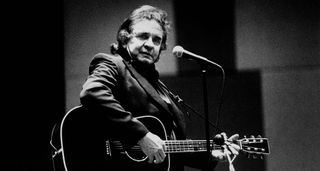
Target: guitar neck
{"points": [[181, 146], [250, 145]]}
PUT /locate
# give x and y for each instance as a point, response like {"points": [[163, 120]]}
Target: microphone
{"points": [[178, 51]]}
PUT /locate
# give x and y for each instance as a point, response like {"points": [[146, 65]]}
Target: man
{"points": [[125, 86]]}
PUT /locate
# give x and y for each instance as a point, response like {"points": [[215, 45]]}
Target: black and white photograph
{"points": [[162, 85]]}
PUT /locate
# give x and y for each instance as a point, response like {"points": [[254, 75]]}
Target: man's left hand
{"points": [[228, 148]]}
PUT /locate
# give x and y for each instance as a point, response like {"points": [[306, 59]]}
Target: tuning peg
{"points": [[259, 136], [254, 156], [252, 139]]}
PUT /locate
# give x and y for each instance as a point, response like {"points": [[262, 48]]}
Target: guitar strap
{"points": [[56, 151]]}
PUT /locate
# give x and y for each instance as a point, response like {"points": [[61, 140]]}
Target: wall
{"points": [[281, 40]]}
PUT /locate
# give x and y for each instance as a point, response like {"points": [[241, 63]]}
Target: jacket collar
{"points": [[147, 86]]}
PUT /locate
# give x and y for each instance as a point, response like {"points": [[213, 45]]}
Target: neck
{"points": [[146, 70]]}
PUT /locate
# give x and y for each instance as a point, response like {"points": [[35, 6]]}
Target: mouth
{"points": [[146, 54]]}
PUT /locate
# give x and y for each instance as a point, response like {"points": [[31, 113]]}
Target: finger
{"points": [[224, 135], [220, 157], [162, 154], [157, 159], [163, 148], [151, 159], [235, 146], [233, 151], [217, 154], [234, 137]]}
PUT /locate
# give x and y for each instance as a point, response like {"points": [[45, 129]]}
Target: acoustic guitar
{"points": [[79, 144]]}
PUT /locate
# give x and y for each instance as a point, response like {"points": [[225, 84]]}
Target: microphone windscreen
{"points": [[177, 51]]}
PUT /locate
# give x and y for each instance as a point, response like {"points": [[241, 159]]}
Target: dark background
{"points": [[35, 90], [33, 81]]}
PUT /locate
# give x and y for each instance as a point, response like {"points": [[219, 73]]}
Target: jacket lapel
{"points": [[147, 87]]}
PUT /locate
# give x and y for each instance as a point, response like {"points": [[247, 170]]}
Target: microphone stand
{"points": [[178, 51], [204, 64]]}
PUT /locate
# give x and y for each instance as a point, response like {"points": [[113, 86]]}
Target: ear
{"points": [[124, 37]]}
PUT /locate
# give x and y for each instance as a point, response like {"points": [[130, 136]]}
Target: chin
{"points": [[146, 61]]}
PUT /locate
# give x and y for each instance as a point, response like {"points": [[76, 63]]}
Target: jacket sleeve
{"points": [[98, 93]]}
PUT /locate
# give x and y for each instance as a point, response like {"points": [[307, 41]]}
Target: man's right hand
{"points": [[153, 147]]}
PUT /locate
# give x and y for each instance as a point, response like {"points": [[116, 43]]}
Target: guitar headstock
{"points": [[255, 146]]}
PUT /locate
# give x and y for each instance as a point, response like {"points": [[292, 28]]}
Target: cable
{"points": [[220, 96]]}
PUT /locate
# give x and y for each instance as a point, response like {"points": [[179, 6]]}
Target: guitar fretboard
{"points": [[175, 146], [179, 146]]}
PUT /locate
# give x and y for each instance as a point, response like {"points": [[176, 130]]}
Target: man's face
{"points": [[146, 41]]}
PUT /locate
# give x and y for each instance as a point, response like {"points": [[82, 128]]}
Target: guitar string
{"points": [[187, 143], [190, 147]]}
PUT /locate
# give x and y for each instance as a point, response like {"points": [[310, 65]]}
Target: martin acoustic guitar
{"points": [[81, 143]]}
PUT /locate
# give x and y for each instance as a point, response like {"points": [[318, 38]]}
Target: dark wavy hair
{"points": [[143, 12]]}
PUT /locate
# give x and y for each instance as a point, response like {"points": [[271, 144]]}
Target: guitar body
{"points": [[87, 146]]}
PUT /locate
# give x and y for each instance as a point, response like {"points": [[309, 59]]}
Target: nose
{"points": [[149, 43]]}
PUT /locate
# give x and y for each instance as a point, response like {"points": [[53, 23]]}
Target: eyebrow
{"points": [[147, 33]]}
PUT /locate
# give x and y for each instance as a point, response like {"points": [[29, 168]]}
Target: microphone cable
{"points": [[220, 100]]}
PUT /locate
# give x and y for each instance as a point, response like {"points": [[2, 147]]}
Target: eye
{"points": [[142, 36], [145, 36], [157, 40]]}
